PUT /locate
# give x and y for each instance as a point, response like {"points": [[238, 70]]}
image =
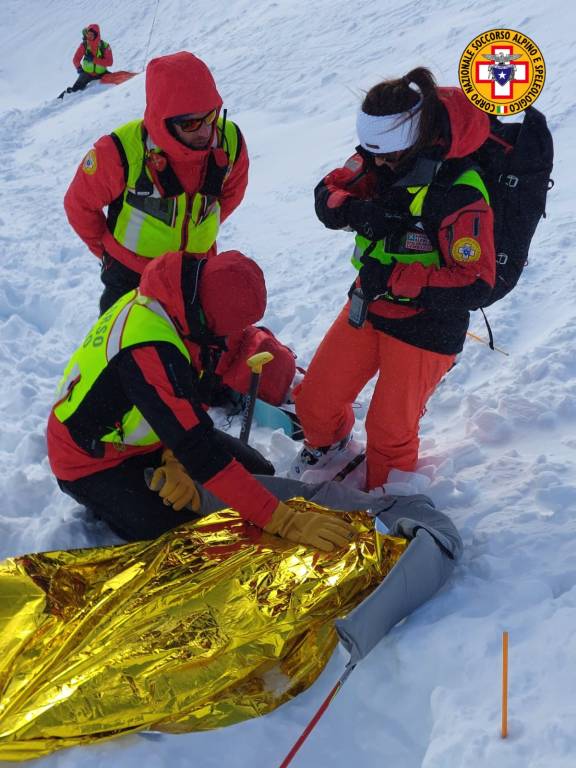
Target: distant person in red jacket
{"points": [[91, 60], [167, 180]]}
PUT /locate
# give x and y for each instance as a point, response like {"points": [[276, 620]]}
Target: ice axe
{"points": [[255, 363]]}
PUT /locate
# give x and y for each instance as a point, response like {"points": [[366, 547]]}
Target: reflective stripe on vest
{"points": [[133, 320], [89, 66], [151, 226], [378, 249]]}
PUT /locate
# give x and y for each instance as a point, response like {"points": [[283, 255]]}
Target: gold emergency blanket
{"points": [[209, 625]]}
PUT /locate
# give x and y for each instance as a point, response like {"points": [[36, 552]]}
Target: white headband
{"points": [[388, 133]]}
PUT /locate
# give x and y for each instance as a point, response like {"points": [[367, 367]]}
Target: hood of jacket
{"points": [[229, 287], [178, 84], [92, 44], [469, 126]]}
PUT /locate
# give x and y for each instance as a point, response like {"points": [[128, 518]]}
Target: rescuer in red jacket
{"points": [[91, 60], [132, 397], [426, 257], [163, 183]]}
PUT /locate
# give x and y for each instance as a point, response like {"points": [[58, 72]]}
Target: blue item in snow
{"points": [[276, 417]]}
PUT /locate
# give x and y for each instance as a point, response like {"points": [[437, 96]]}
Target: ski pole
{"points": [[323, 707], [255, 363]]}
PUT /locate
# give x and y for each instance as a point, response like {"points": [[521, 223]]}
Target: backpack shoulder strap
{"points": [[231, 140], [144, 187], [449, 172], [472, 178], [239, 142], [122, 152], [461, 171]]}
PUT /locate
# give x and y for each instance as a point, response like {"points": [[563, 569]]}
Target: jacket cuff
{"points": [[241, 491]]}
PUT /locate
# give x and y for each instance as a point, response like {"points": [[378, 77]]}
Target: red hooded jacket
{"points": [[175, 85], [159, 380], [104, 61]]}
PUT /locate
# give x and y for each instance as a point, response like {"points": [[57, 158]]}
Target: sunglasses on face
{"points": [[388, 157], [190, 124]]}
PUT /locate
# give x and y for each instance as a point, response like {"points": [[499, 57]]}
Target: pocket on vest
{"points": [[163, 209]]}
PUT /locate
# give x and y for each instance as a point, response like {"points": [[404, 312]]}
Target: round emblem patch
{"points": [[466, 249], [89, 164], [502, 71]]}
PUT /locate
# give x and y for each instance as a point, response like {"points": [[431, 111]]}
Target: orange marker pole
{"points": [[504, 732], [483, 341]]}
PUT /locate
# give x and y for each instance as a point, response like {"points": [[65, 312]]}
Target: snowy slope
{"points": [[499, 438]]}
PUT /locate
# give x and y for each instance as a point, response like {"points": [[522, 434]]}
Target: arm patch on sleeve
{"points": [[465, 250], [90, 164]]}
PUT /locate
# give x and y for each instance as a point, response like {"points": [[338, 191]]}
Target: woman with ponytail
{"points": [[425, 255]]}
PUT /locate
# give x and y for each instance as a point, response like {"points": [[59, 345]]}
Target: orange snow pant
{"points": [[343, 364]]}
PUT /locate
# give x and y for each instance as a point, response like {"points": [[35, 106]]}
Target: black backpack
{"points": [[515, 163]]}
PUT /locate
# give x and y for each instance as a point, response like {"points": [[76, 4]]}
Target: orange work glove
{"points": [[174, 484], [310, 528]]}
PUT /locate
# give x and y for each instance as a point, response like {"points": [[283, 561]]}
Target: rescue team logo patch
{"points": [[502, 72], [466, 249], [417, 241], [89, 164]]}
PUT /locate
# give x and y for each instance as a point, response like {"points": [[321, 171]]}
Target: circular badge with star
{"points": [[466, 249], [502, 71]]}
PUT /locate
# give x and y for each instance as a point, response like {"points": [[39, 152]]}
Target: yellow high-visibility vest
{"points": [[132, 320], [152, 225]]}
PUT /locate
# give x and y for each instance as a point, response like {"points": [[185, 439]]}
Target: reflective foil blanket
{"points": [[209, 625]]}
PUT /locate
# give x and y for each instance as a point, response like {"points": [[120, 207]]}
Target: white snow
{"points": [[498, 441]]}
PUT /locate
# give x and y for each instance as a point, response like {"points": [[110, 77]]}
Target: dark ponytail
{"points": [[391, 97]]}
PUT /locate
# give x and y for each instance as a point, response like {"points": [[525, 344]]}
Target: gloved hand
{"points": [[79, 70], [216, 170], [310, 528], [331, 206], [89, 56], [174, 484], [374, 278], [374, 221]]}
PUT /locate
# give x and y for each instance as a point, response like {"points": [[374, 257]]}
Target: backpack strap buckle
{"points": [[509, 180]]}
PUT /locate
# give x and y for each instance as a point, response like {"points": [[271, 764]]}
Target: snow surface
{"points": [[499, 440]]}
